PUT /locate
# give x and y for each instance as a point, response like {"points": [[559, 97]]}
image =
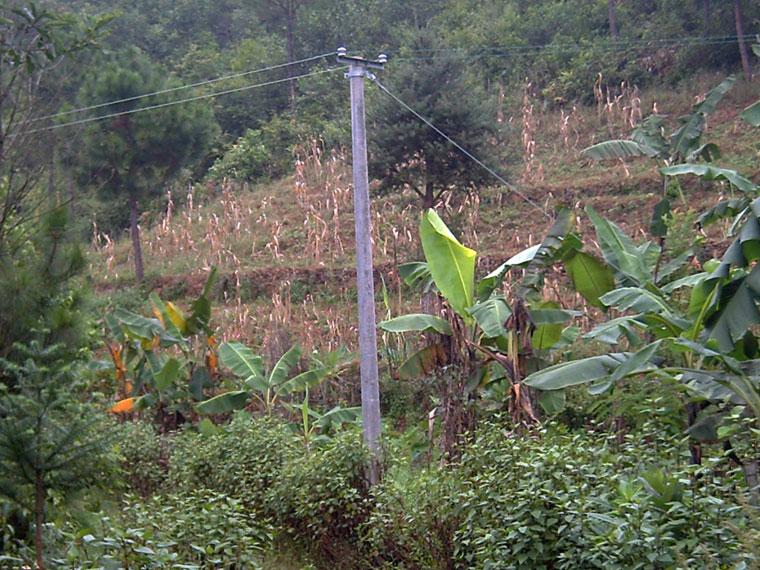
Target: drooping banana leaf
{"points": [[243, 363], [304, 381], [423, 362], [711, 173], [416, 322], [493, 280], [224, 403], [575, 372], [723, 209], [168, 373], [200, 310], [280, 371], [558, 242], [752, 114], [590, 276], [491, 315], [707, 152], [737, 310], [686, 138], [417, 275], [610, 331], [634, 264], [618, 149], [650, 134]]}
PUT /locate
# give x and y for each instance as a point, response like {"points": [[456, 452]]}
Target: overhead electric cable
{"points": [[182, 87], [467, 153], [180, 101]]}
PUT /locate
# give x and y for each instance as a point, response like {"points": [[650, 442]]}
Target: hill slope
{"points": [[285, 248]]}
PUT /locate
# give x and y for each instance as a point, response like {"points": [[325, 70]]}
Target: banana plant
{"points": [[682, 145], [482, 330], [709, 345], [166, 360], [314, 426], [260, 386], [269, 389]]}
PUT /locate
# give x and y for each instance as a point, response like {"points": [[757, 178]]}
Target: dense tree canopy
{"points": [[131, 155]]}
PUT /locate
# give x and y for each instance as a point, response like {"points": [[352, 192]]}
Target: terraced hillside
{"points": [[284, 248]]}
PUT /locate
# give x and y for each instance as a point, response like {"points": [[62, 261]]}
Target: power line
{"points": [[467, 153], [180, 101], [182, 87]]}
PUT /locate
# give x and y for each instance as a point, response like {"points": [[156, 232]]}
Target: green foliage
{"points": [[242, 460], [38, 287], [267, 151], [200, 529], [452, 265], [584, 501], [321, 498], [414, 519], [49, 442], [143, 454], [560, 500], [249, 158], [404, 151], [135, 153], [265, 388], [164, 362]]}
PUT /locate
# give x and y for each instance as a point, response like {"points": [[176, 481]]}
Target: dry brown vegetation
{"points": [[285, 248]]}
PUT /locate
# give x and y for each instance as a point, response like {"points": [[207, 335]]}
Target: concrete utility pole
{"points": [[358, 70]]}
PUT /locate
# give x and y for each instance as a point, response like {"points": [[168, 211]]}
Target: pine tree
{"points": [[48, 441], [135, 154], [404, 152]]}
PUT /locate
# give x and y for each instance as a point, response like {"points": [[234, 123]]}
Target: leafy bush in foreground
{"points": [[562, 500], [321, 497], [243, 460], [198, 530]]}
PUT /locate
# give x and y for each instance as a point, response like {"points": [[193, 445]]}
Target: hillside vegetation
{"points": [[567, 311]]}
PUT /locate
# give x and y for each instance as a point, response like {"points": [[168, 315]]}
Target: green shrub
{"points": [[200, 529], [557, 500], [248, 158], [321, 496], [414, 519], [143, 458], [552, 499], [243, 460]]}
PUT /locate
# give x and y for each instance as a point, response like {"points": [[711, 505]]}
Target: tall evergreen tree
{"points": [[404, 152], [134, 154], [48, 441]]}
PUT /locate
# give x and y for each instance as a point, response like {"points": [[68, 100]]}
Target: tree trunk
{"points": [[39, 519], [51, 180], [429, 199], [742, 43], [612, 10], [290, 39], [705, 17], [72, 199], [134, 230]]}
